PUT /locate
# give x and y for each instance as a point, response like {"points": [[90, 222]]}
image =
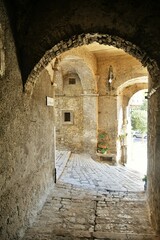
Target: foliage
{"points": [[139, 117], [103, 142], [139, 120], [144, 178], [144, 105]]}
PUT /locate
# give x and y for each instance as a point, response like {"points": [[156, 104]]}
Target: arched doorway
{"points": [[125, 92], [137, 152]]}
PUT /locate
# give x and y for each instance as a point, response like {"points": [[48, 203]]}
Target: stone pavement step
{"points": [[123, 236], [81, 207], [71, 213]]}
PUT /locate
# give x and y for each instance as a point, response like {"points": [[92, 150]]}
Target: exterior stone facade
{"points": [[94, 106]]}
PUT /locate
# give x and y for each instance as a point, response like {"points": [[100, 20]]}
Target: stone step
{"points": [[75, 235], [86, 211], [124, 236], [80, 235]]}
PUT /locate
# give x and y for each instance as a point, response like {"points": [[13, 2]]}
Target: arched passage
{"points": [[125, 92], [119, 43], [85, 39], [36, 27]]}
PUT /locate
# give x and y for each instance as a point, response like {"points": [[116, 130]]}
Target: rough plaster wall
{"points": [[69, 136], [107, 119], [90, 108], [156, 198], [154, 159], [80, 135], [26, 137]]}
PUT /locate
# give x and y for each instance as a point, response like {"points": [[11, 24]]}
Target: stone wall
{"points": [[107, 119], [69, 136], [26, 137], [80, 135], [90, 124], [153, 185]]}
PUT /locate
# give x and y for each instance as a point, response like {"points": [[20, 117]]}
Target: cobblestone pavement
{"points": [[61, 161], [89, 202], [83, 171]]}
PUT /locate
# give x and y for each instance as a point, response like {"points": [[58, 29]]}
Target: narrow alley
{"points": [[93, 200]]}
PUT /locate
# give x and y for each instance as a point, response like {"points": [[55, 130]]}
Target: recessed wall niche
{"points": [[72, 84]]}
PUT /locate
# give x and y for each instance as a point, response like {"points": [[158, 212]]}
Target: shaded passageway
{"points": [[57, 95], [93, 200]]}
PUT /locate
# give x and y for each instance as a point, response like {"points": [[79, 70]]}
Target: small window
{"points": [[72, 81], [67, 117]]}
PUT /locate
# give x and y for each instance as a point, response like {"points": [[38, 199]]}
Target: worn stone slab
{"points": [[74, 212]]}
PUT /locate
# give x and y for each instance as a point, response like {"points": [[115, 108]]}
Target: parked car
{"points": [[137, 134]]}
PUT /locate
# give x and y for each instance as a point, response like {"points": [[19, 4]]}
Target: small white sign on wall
{"points": [[49, 101]]}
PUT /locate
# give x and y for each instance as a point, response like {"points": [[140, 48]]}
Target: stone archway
{"points": [[124, 93], [154, 86], [85, 39], [82, 69]]}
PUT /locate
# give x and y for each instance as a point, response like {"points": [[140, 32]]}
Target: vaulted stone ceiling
{"points": [[101, 53], [39, 25], [101, 50]]}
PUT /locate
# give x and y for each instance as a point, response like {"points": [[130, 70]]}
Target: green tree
{"points": [[144, 105], [139, 120]]}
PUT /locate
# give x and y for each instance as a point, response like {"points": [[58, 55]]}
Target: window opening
{"points": [[72, 81], [67, 116]]}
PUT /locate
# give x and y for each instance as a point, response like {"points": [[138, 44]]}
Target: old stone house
{"points": [[66, 50]]}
